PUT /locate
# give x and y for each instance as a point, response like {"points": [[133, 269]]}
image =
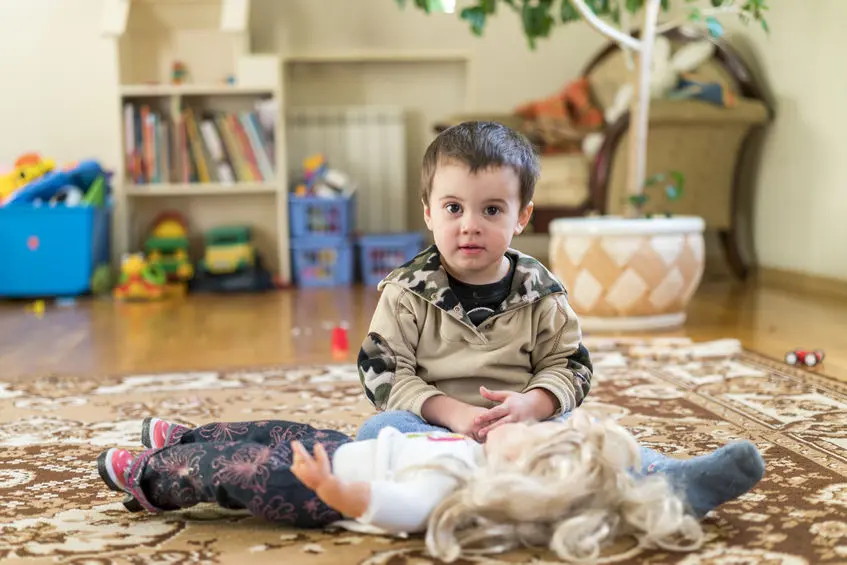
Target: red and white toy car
{"points": [[808, 357]]}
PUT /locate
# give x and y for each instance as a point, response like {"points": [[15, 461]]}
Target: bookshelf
{"points": [[206, 138]]}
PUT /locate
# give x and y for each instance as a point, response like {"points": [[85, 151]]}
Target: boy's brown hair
{"points": [[482, 145]]}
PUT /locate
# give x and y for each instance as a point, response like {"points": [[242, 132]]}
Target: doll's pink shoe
{"points": [[113, 466], [157, 433]]}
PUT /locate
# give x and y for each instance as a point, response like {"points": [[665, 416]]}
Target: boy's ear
{"points": [[427, 216], [523, 218]]}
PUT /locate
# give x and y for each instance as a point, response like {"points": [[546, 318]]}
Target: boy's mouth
{"points": [[470, 248]]}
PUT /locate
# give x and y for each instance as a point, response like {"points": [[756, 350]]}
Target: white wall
{"points": [[800, 199], [63, 103], [59, 93]]}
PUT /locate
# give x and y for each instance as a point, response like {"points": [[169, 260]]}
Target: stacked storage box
{"points": [[321, 245]]}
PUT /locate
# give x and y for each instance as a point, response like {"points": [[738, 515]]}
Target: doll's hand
{"points": [[312, 472], [535, 404], [351, 499]]}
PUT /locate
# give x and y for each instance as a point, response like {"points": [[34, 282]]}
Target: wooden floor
{"points": [[212, 332]]}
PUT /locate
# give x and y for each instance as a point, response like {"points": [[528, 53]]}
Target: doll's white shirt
{"points": [[402, 503]]}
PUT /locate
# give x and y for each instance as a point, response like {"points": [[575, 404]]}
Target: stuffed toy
{"points": [[672, 77], [560, 122]]}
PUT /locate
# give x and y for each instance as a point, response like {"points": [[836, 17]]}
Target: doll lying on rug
{"points": [[567, 485]]}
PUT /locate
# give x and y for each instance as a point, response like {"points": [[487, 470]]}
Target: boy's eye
{"points": [[492, 210], [453, 208]]}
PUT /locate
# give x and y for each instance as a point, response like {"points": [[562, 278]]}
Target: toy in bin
{"points": [[28, 167], [168, 246], [140, 280]]}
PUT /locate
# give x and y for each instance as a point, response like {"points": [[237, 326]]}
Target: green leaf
{"points": [[655, 179], [638, 200], [567, 13], [765, 27], [475, 15], [678, 179], [490, 6], [672, 192], [714, 26], [632, 6], [537, 21]]}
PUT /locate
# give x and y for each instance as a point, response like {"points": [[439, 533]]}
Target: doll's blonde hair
{"points": [[574, 488]]}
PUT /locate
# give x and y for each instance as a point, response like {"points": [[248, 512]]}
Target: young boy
{"points": [[471, 334]]}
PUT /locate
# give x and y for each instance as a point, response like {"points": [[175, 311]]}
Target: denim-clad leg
{"points": [[404, 421]]}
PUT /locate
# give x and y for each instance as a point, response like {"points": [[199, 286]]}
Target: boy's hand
{"points": [[456, 416], [466, 422], [535, 404]]}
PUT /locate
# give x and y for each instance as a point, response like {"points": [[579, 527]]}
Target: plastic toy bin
{"points": [[52, 251], [314, 215], [321, 261], [379, 254]]}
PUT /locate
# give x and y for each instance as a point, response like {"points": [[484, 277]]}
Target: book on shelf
{"points": [[198, 146]]}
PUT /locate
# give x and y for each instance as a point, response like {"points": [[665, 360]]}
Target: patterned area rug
{"points": [[677, 396]]}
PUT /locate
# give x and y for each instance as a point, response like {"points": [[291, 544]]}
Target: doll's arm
{"points": [[351, 499], [397, 507]]}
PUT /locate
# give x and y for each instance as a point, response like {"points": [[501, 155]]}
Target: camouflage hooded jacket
{"points": [[421, 342]]}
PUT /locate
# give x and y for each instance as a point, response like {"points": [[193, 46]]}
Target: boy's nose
{"points": [[469, 224]]}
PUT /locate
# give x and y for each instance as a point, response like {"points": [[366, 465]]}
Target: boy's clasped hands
{"points": [[533, 405]]}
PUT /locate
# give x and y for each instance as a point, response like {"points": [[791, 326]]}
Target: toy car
{"points": [[808, 357], [229, 249]]}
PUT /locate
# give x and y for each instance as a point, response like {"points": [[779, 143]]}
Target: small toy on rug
{"points": [[339, 344]]}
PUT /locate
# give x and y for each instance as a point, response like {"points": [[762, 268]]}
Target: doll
{"points": [[566, 485]]}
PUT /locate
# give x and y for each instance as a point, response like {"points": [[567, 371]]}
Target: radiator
{"points": [[368, 143]]}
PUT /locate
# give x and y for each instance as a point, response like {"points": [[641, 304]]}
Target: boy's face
{"points": [[473, 219]]}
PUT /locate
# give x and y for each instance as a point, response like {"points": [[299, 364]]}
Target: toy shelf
{"points": [[195, 89], [197, 188], [201, 125]]}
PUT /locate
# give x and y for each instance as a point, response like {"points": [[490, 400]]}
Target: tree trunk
{"points": [[640, 107]]}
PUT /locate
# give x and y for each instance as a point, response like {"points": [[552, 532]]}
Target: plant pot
{"points": [[628, 274]]}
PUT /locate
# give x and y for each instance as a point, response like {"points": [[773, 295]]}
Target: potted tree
{"points": [[647, 266]]}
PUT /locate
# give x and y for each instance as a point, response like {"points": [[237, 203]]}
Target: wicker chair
{"points": [[704, 141]]}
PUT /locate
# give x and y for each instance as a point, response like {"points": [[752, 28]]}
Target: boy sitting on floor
{"points": [[471, 334]]}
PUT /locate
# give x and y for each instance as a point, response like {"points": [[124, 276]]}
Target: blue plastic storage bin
{"points": [[52, 251], [312, 215], [321, 261], [379, 254]]}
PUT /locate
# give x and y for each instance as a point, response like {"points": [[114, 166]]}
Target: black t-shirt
{"points": [[481, 301]]}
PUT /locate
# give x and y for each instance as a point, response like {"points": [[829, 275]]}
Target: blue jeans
{"points": [[409, 422]]}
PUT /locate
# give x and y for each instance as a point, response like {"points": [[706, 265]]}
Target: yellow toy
{"points": [[28, 167], [140, 280]]}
